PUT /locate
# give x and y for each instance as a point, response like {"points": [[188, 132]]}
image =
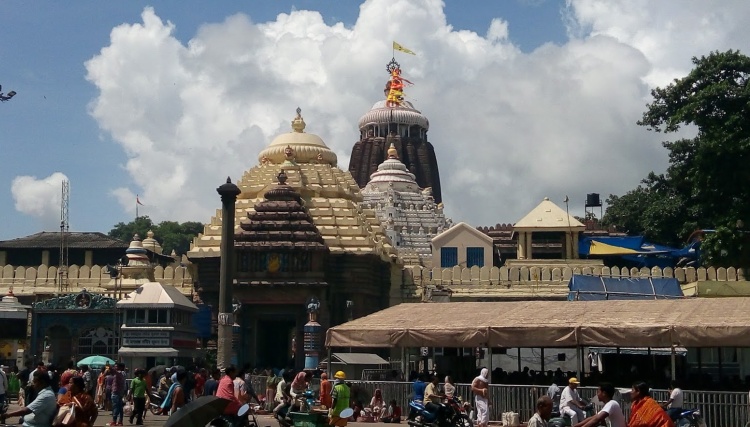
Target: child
{"points": [[393, 413]]}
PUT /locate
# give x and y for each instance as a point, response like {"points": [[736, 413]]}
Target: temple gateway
{"points": [[300, 236]]}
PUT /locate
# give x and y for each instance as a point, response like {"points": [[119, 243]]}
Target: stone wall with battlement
{"points": [[43, 280], [541, 281]]}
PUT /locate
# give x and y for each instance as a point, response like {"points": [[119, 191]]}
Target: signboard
{"points": [[145, 339], [145, 334], [145, 342]]}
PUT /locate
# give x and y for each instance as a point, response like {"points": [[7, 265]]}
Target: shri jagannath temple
{"points": [[305, 230]]}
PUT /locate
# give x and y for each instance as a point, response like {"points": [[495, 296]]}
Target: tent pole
{"points": [[329, 364], [542, 361], [579, 353], [519, 359], [404, 363], [674, 363], [489, 363]]}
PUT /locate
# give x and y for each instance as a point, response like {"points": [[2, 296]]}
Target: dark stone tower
{"points": [[396, 122]]}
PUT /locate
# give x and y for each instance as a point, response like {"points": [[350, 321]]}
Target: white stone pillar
{"points": [[45, 257], [4, 260], [576, 235], [89, 258], [521, 245], [568, 241]]}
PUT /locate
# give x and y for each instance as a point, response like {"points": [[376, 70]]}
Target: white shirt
{"points": [[537, 421], [552, 391], [614, 414], [3, 382], [676, 397], [568, 395]]}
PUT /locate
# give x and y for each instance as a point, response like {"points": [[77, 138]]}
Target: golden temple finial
{"points": [[298, 124], [392, 152]]}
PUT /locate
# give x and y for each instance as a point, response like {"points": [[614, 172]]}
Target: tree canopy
{"points": [[170, 234], [706, 183]]}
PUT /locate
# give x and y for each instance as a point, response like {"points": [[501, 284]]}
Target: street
{"points": [[105, 417]]}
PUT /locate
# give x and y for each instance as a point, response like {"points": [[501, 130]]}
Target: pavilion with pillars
{"points": [[548, 224]]}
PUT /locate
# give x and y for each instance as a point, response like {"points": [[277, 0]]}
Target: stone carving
{"points": [[81, 301]]}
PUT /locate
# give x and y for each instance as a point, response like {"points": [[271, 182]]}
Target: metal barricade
{"points": [[718, 408]]}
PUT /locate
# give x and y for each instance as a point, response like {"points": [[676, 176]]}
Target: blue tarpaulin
{"points": [[594, 288]]}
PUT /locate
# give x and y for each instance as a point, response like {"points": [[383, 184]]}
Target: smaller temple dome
{"points": [[306, 147], [152, 244], [136, 253], [391, 172]]}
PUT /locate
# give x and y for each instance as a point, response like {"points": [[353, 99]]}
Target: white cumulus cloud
{"points": [[39, 198], [509, 127]]}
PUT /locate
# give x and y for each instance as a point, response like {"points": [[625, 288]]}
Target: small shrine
{"points": [[14, 317], [74, 326]]}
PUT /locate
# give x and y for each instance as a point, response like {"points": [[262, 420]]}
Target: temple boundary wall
{"points": [[42, 279], [489, 276]]}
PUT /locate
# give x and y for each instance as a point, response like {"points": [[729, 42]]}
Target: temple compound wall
{"points": [[540, 281]]}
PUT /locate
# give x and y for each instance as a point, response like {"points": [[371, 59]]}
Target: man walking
{"points": [[3, 384], [138, 394], [118, 392], [611, 410], [481, 387]]}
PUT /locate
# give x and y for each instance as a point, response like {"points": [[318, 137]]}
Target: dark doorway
{"points": [[60, 342], [274, 346]]}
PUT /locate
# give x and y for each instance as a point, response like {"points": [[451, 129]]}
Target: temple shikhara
{"points": [[396, 121]]}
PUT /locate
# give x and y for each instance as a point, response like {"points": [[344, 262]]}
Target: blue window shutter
{"points": [[448, 257], [475, 256]]}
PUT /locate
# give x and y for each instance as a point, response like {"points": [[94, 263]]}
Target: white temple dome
{"points": [[306, 147], [403, 114]]}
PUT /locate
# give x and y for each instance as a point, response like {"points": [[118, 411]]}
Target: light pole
{"points": [[228, 193]]}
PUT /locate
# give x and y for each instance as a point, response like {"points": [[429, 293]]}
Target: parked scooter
{"points": [[419, 416], [691, 418], [559, 420]]}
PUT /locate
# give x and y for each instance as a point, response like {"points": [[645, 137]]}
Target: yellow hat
{"points": [[573, 380], [340, 375]]}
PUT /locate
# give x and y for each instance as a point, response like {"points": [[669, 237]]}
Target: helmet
{"points": [[340, 375]]}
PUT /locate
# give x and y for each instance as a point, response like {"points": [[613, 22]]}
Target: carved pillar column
{"points": [[568, 252], [521, 245], [228, 193]]}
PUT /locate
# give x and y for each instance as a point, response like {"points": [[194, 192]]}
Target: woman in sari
{"points": [[645, 411], [377, 405], [76, 396]]}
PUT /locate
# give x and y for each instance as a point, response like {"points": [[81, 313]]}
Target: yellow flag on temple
{"points": [[400, 48]]}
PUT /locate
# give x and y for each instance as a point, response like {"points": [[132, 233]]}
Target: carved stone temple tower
{"points": [[394, 120]]}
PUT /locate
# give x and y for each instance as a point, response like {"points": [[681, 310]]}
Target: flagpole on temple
{"points": [[136, 207]]}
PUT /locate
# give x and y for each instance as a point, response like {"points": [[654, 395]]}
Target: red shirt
{"points": [[226, 391], [199, 383]]}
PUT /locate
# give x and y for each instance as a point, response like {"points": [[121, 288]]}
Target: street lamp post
{"points": [[228, 193]]}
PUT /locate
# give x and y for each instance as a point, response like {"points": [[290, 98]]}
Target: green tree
{"points": [[705, 185], [170, 234]]}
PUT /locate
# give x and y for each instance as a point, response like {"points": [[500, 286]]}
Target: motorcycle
{"points": [[559, 420], [245, 418], [302, 403], [154, 403], [447, 416], [691, 418]]}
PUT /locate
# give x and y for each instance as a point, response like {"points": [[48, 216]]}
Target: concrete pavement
{"points": [[151, 420]]}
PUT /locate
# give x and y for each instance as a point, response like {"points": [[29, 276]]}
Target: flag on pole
{"points": [[137, 200], [400, 48]]}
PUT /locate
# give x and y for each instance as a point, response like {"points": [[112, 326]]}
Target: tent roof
{"points": [[547, 216], [589, 288], [718, 322], [359, 359]]}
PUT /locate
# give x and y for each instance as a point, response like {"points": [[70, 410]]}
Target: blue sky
{"points": [[532, 74]]}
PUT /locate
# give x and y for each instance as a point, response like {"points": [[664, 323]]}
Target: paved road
{"points": [[158, 420]]}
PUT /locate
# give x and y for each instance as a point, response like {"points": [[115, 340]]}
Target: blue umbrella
{"points": [[96, 361]]}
